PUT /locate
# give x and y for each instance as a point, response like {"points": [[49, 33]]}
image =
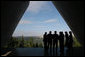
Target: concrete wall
{"points": [[11, 13]]}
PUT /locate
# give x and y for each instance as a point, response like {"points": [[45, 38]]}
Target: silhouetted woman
{"points": [[45, 40], [67, 39], [70, 40], [61, 42], [50, 36]]}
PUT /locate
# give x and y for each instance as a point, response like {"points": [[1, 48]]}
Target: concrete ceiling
{"points": [[12, 11]]}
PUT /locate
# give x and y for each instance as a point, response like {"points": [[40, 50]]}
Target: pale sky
{"points": [[40, 17]]}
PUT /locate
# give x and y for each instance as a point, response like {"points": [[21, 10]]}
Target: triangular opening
{"points": [[40, 16]]}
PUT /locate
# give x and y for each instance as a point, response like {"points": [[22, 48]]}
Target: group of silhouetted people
{"points": [[51, 40]]}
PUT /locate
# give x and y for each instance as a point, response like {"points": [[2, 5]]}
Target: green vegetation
{"points": [[20, 42], [76, 42]]}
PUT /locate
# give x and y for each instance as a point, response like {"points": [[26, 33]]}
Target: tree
{"points": [[22, 42]]}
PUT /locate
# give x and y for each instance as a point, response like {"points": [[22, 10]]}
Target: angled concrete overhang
{"points": [[11, 13]]}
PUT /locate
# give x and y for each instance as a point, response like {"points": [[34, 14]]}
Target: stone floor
{"points": [[43, 52], [37, 52]]}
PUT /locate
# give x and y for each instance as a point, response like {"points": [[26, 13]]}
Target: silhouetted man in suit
{"points": [[61, 41], [50, 36], [67, 39], [55, 42], [45, 40], [70, 39], [55, 39]]}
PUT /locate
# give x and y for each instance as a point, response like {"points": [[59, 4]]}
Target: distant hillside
{"points": [[28, 37], [36, 39]]}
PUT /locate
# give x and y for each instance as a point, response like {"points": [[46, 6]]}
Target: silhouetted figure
{"points": [[61, 42], [50, 36], [70, 40], [45, 40], [67, 39], [55, 40]]}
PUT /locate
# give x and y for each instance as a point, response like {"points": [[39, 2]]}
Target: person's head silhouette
{"points": [[55, 32], [61, 33], [50, 32], [66, 32], [45, 33]]}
